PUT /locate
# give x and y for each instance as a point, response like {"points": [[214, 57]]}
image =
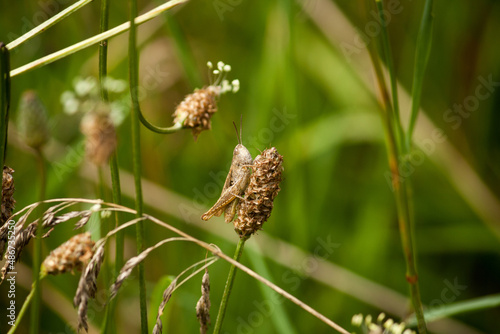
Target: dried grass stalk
{"points": [[166, 297], [87, 286]]}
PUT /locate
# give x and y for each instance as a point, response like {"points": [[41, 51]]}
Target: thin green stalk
{"points": [[422, 53], [402, 193], [48, 23], [387, 54], [117, 199], [103, 49], [95, 39], [229, 286], [108, 324], [37, 248], [466, 306], [26, 304], [4, 100], [136, 152]]}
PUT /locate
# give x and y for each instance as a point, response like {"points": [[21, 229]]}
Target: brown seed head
{"points": [[259, 196], [73, 254], [203, 305], [101, 137], [8, 201], [196, 110]]}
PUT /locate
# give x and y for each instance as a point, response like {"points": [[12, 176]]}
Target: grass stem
{"points": [[228, 287], [136, 152], [37, 248], [4, 100]]}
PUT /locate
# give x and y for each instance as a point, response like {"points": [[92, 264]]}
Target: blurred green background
{"points": [[307, 89]]}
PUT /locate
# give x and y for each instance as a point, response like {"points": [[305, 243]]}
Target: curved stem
{"points": [[136, 152], [229, 286], [174, 128], [37, 250]]}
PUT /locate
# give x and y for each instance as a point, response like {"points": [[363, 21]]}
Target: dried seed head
{"points": [[195, 111], [101, 137], [203, 305], [73, 254], [158, 328], [87, 286], [260, 193], [32, 120], [8, 200]]}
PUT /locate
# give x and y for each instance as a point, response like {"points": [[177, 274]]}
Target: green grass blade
{"points": [[387, 56], [48, 23], [278, 316], [449, 310], [94, 39], [422, 53]]}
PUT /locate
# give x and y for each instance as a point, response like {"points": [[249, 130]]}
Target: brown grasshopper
{"points": [[236, 182]]}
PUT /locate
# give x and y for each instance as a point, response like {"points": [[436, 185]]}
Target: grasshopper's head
{"points": [[241, 155]]}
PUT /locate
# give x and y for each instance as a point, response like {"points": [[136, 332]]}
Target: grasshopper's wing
{"points": [[238, 187], [227, 183]]}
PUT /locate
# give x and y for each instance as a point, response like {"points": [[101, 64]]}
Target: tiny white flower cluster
{"points": [[220, 84], [381, 327], [85, 97]]}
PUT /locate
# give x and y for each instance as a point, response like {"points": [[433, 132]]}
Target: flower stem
{"points": [[37, 249], [229, 286], [136, 152]]}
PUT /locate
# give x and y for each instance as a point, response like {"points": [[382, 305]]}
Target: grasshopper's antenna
{"points": [[236, 128], [241, 127]]}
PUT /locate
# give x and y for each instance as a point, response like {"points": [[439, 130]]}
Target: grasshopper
{"points": [[236, 182]]}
